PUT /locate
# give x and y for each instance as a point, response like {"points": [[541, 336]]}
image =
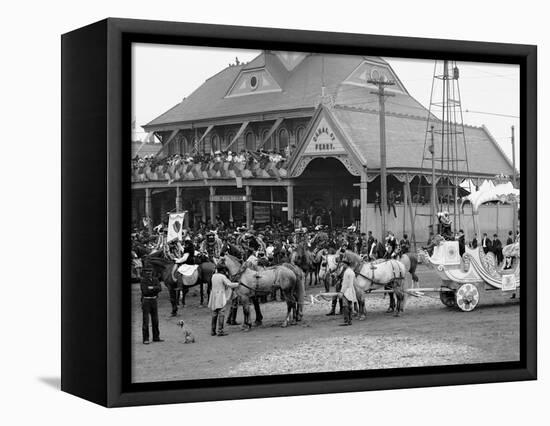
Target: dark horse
{"points": [[165, 270], [254, 281], [305, 260], [410, 260]]}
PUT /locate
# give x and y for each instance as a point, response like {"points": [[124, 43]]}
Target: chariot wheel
{"points": [[467, 297], [448, 298]]}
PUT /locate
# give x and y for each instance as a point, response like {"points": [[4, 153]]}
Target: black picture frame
{"points": [[96, 114]]}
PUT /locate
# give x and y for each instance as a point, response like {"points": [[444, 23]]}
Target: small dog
{"points": [[189, 337]]}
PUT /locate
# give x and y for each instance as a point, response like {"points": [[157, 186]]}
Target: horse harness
{"points": [[255, 289], [394, 266]]}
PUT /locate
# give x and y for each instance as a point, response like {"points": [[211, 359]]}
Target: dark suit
{"points": [[474, 243], [497, 250], [150, 288], [486, 244], [461, 245]]}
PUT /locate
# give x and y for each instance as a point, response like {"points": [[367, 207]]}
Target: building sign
{"points": [[324, 141], [262, 213], [228, 198]]}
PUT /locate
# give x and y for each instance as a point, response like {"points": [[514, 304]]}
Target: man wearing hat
{"points": [[347, 292], [212, 245], [150, 288]]}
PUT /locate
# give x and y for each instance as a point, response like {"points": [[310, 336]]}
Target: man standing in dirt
{"points": [[219, 298], [347, 292], [150, 288]]}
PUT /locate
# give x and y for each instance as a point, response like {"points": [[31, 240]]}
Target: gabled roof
{"points": [[301, 89], [405, 143]]}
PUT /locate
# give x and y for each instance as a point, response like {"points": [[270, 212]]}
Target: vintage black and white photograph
{"points": [[303, 212]]}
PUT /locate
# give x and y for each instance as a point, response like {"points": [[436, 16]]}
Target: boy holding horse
{"points": [[220, 296], [347, 292]]}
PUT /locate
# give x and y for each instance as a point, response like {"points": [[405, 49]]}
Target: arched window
{"points": [[283, 139], [206, 145], [268, 145], [183, 145], [250, 142], [215, 141]]}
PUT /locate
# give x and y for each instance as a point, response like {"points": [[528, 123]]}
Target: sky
{"points": [[162, 75]]}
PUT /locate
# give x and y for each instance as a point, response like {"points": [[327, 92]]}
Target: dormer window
{"points": [[254, 81], [372, 71]]}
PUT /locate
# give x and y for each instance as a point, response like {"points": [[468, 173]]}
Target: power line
{"points": [[492, 113]]}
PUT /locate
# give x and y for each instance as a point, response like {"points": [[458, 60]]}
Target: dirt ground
{"points": [[427, 333]]}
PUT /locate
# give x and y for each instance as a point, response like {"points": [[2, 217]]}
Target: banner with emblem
{"points": [[175, 226]]}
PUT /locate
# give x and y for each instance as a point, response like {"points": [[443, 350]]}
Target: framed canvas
{"points": [[231, 196]]}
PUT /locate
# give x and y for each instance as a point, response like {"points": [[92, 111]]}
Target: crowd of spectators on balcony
{"points": [[226, 160]]}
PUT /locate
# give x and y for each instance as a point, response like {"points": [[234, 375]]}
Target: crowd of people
{"points": [[271, 245], [165, 167]]}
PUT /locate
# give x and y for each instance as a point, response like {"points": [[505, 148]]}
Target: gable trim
{"points": [[350, 152]]}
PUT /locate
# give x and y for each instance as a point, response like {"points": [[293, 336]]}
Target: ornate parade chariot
{"points": [[465, 278]]}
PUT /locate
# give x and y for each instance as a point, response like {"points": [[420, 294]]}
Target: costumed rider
{"points": [[444, 226], [183, 254], [404, 245], [212, 246], [250, 244], [321, 239], [174, 251], [347, 292], [391, 245]]}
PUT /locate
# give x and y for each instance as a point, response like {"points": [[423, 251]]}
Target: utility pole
{"points": [[433, 208], [383, 179], [514, 183]]}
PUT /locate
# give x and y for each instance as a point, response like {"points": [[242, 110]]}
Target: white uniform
{"points": [[221, 291], [348, 288]]}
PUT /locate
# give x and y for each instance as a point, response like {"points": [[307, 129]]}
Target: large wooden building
{"points": [[321, 111]]}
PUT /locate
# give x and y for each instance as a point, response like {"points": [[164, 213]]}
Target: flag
{"points": [[175, 226]]}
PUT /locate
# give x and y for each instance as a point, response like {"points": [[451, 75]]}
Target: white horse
{"points": [[378, 274], [328, 265]]}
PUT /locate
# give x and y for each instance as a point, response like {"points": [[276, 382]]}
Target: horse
{"points": [[280, 252], [328, 264], [255, 281], [410, 260], [369, 275], [166, 271], [304, 259], [232, 249]]}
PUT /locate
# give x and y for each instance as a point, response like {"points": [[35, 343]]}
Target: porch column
{"points": [[212, 215], [290, 202], [178, 199], [248, 208], [186, 218], [363, 196], [148, 207]]}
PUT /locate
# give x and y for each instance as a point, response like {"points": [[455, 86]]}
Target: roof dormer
{"points": [[253, 81], [374, 71]]}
